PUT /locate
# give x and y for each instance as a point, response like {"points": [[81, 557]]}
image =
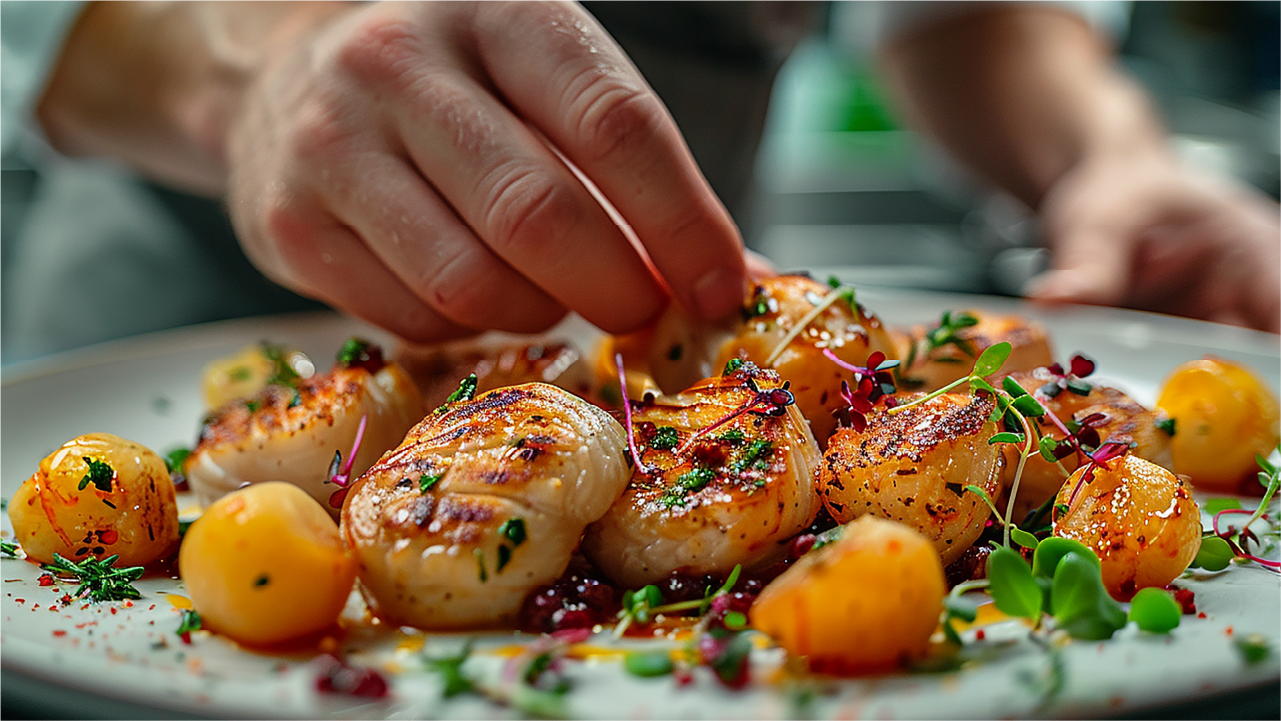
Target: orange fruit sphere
{"points": [[1224, 414]]}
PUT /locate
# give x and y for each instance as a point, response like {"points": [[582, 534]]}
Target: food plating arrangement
{"points": [[803, 512]]}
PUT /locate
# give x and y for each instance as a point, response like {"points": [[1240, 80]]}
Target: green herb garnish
{"points": [[425, 482], [175, 458], [9, 548], [664, 439], [100, 475], [732, 365], [513, 529], [98, 578], [451, 670], [466, 391], [188, 622]]}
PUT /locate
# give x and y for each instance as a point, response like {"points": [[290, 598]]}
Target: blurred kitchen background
{"points": [[840, 183]]}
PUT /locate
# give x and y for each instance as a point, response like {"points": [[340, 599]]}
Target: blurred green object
{"points": [[863, 106]]}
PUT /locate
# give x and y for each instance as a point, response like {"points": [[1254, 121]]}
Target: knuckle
{"points": [[382, 51], [319, 134], [616, 119], [529, 214]]}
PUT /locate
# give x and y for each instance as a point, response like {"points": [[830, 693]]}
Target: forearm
{"points": [[155, 84], [1021, 93]]}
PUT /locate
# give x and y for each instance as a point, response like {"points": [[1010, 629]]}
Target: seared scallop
{"points": [[485, 500], [436, 369], [786, 324], [912, 464], [292, 432], [1112, 414], [936, 355], [725, 477]]}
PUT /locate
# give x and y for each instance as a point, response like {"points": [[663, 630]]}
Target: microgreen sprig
{"points": [[768, 402], [641, 466], [641, 605], [339, 472], [947, 332], [98, 579], [1218, 544], [9, 548]]}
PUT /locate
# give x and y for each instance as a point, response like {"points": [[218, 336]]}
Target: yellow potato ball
{"points": [[265, 564]]}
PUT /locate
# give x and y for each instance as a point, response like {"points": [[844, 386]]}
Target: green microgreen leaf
{"points": [[1080, 603], [1006, 437], [1214, 505], [351, 351], [732, 365], [978, 384], [1029, 406], [1012, 387], [986, 499], [1167, 425], [648, 664], [1214, 555], [450, 668], [1023, 538], [1012, 587], [961, 608], [1052, 550], [1253, 648], [991, 360], [9, 548], [1155, 611], [175, 458]]}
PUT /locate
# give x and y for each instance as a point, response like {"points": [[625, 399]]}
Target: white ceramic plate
{"points": [[112, 660]]}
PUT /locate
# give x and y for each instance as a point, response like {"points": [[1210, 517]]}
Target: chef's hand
{"points": [[395, 160], [1144, 232]]}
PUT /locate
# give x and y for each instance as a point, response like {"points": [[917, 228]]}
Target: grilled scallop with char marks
{"points": [[911, 466], [485, 500], [291, 432], [725, 477]]}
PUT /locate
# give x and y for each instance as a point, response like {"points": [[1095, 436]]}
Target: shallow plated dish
{"points": [[121, 659]]}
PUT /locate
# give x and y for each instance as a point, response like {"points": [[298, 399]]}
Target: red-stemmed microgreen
{"points": [[765, 402], [871, 383], [627, 420], [1218, 543], [1099, 458], [342, 477]]}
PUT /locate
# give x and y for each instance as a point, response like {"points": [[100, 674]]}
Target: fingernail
{"points": [[718, 293]]}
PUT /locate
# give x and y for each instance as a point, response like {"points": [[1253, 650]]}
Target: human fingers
{"points": [[518, 198], [1090, 261], [564, 74], [322, 259], [438, 258]]}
